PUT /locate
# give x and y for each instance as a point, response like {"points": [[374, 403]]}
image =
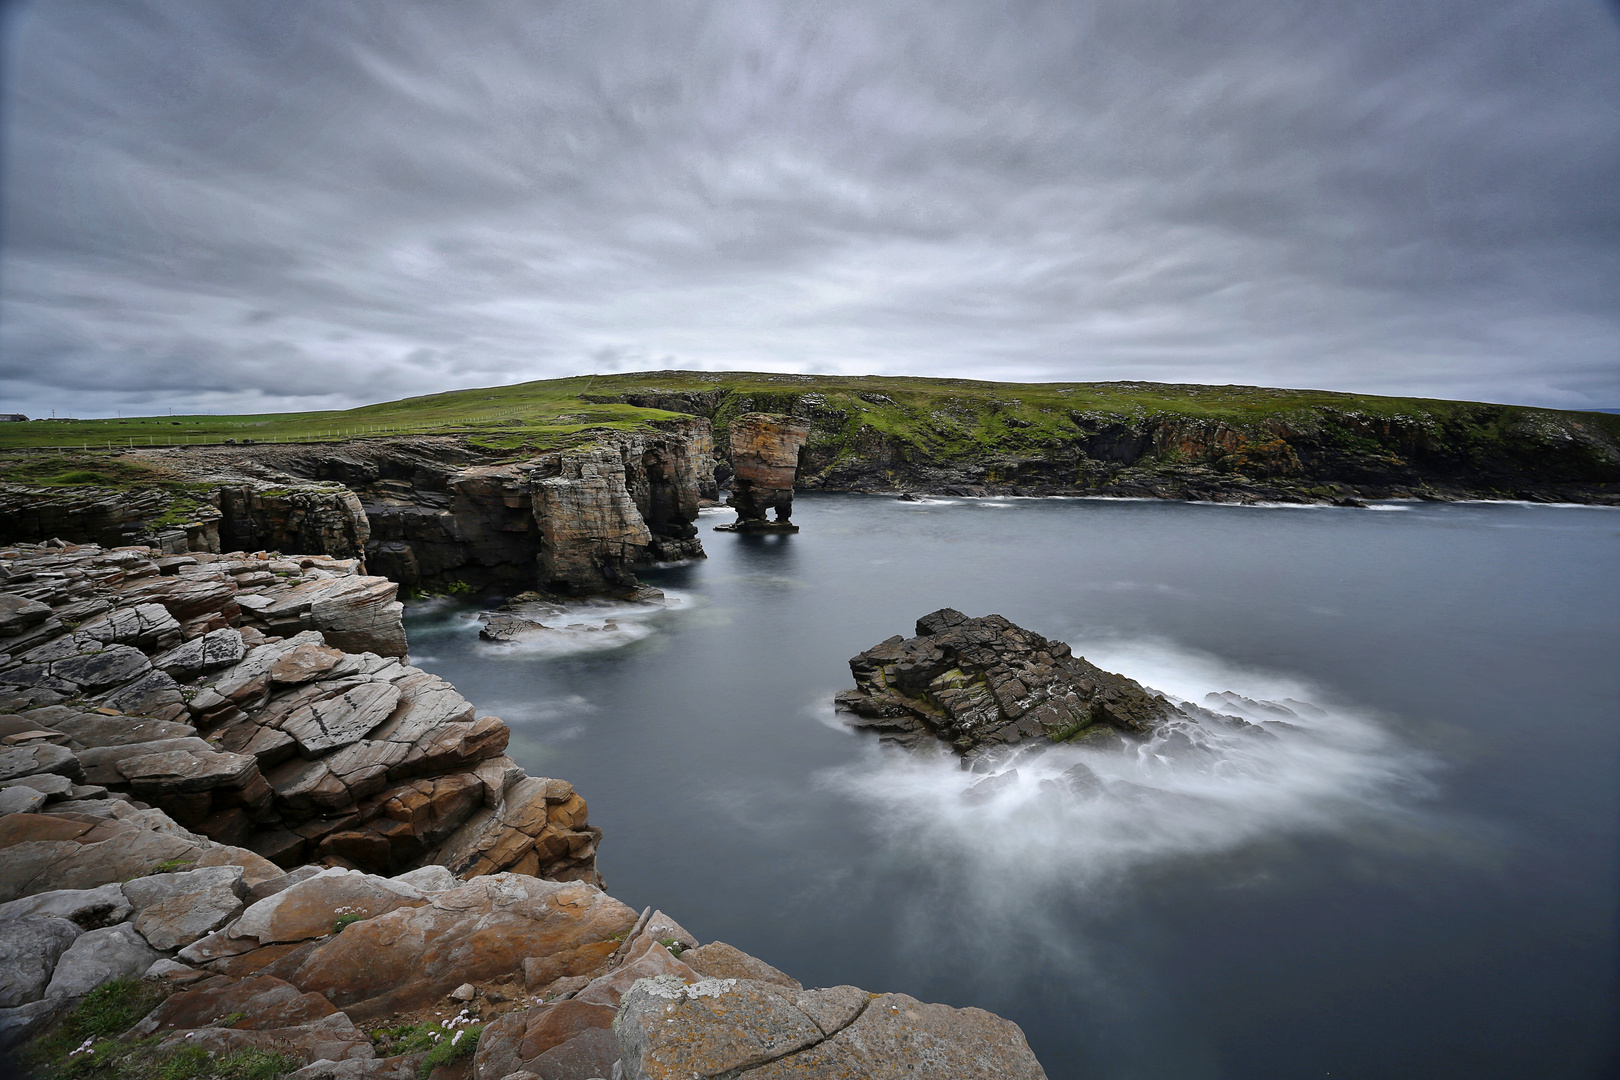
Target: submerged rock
{"points": [[985, 681]]}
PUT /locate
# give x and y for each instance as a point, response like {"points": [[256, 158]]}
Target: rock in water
{"points": [[765, 459], [981, 682]]}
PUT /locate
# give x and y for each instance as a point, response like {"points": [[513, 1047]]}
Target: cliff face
{"points": [[428, 513], [1213, 443]]}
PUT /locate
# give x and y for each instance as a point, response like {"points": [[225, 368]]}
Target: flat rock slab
{"points": [[18, 613], [304, 664], [900, 1038], [180, 772], [94, 671], [346, 718], [20, 799], [670, 1031], [478, 933], [259, 1003], [311, 908], [217, 648], [39, 758], [143, 624], [174, 910]]}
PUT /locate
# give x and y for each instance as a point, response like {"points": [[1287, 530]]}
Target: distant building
{"points": [[11, 417]]}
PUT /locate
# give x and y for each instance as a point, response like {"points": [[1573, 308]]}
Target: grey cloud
{"points": [[296, 206]]}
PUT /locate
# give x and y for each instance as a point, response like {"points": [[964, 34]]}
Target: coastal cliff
{"points": [[430, 513], [241, 836], [1151, 440]]}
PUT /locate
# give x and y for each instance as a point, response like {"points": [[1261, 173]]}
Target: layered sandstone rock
{"points": [[764, 451], [984, 682], [261, 702], [427, 513], [169, 770]]}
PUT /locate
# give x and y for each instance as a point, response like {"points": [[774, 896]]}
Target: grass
{"points": [[462, 1044], [84, 1045], [442, 1044]]}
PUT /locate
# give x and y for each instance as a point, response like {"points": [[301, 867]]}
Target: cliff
{"points": [[241, 836], [429, 513], [1216, 443]]}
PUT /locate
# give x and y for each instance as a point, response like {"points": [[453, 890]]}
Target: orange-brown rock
{"points": [[477, 933], [764, 460]]}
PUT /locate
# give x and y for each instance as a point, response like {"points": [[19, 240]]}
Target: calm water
{"points": [[1421, 882]]}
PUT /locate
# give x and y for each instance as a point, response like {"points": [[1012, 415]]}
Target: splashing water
{"points": [[1063, 823]]}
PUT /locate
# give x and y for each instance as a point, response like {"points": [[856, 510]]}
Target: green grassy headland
{"points": [[938, 419]]}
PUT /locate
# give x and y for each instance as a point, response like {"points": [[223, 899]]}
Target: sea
{"points": [[1418, 877]]}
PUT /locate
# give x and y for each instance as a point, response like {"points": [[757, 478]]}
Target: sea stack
{"points": [[764, 460]]}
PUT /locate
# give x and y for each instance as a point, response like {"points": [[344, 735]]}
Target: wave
{"points": [[1058, 826]]}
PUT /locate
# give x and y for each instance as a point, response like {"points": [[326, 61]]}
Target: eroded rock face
{"points": [[764, 461], [424, 512], [177, 690], [983, 682]]}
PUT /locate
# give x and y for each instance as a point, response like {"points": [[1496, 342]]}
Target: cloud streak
{"points": [[215, 206]]}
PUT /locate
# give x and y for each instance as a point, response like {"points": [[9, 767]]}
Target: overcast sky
{"points": [[228, 206]]}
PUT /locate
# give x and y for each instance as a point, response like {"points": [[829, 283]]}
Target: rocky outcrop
{"points": [[283, 840], [984, 682], [764, 453], [262, 703], [428, 513]]}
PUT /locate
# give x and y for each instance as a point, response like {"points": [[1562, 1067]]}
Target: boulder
{"points": [[480, 932], [590, 1055], [30, 946], [97, 956]]}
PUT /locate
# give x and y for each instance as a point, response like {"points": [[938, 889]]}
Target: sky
{"points": [[218, 206]]}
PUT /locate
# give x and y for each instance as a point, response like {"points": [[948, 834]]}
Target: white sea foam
{"points": [[1034, 843], [587, 627]]}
